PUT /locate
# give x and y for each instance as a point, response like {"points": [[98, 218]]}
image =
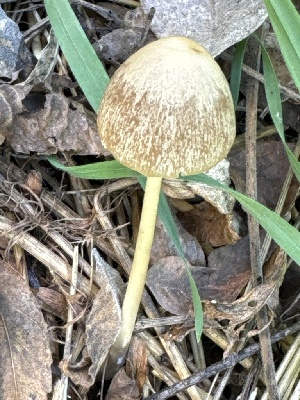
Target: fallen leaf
{"points": [[123, 387], [272, 167], [11, 38], [10, 105], [58, 124], [210, 227], [244, 309], [137, 362], [215, 24], [25, 371], [164, 247], [227, 273], [102, 326], [224, 202]]}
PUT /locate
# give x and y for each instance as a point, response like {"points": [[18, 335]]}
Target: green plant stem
{"points": [[139, 269]]}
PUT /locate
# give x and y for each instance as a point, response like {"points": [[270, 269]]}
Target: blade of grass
{"points": [[286, 21], [81, 56], [236, 70], [100, 170]]}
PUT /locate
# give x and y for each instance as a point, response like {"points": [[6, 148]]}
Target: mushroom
{"points": [[167, 112]]}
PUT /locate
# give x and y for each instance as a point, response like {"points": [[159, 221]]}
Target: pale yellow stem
{"points": [[139, 269]]}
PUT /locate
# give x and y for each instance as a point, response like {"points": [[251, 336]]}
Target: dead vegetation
{"points": [[67, 244]]}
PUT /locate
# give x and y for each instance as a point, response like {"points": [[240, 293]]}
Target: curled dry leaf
{"points": [[137, 361], [215, 24], [169, 284], [25, 371], [245, 308], [164, 247], [224, 202], [56, 125], [10, 105], [45, 64], [167, 280], [210, 227], [11, 46], [123, 387], [118, 45], [102, 327], [272, 167]]}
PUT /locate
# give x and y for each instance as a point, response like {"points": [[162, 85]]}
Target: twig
{"points": [[220, 366], [253, 226]]}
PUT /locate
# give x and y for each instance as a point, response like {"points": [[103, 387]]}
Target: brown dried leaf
{"points": [[231, 265], [210, 227], [272, 167], [164, 247], [136, 363], [168, 281], [34, 181], [102, 327], [46, 62], [227, 274], [245, 308], [123, 387], [10, 105], [57, 125], [25, 371], [116, 46]]}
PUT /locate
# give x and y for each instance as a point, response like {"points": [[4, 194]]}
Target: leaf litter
{"points": [[44, 112]]}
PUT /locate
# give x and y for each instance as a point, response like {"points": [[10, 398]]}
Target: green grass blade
{"points": [[285, 235], [82, 59], [100, 170], [286, 21], [236, 70], [167, 219]]}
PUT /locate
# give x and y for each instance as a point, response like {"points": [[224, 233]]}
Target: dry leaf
{"points": [[216, 24], [116, 46], [46, 63], [137, 362], [164, 247], [57, 125], [14, 54], [104, 321], [25, 371], [180, 189], [245, 308], [34, 181], [102, 328], [10, 105], [123, 387], [210, 227], [272, 167]]}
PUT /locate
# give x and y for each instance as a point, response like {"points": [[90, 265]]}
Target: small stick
{"points": [[220, 366]]}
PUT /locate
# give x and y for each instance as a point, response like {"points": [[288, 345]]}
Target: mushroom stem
{"points": [[139, 269]]}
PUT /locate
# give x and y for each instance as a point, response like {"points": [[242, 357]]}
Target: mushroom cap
{"points": [[168, 110]]}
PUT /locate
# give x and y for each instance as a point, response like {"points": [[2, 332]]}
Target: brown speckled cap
{"points": [[168, 110]]}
